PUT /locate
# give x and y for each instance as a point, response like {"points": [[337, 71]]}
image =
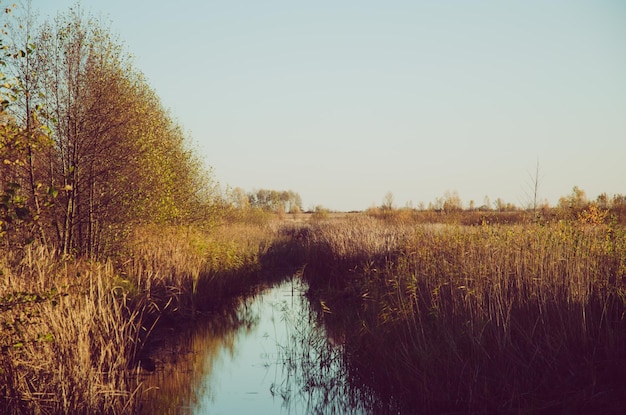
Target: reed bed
{"points": [[66, 339], [183, 270], [519, 318], [74, 332]]}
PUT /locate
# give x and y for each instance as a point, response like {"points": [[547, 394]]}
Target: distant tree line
{"points": [[575, 205], [87, 148], [286, 201]]}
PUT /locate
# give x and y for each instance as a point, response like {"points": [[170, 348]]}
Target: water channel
{"points": [[267, 355]]}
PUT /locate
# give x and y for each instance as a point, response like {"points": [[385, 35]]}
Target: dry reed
{"points": [[73, 331], [496, 318], [66, 339]]}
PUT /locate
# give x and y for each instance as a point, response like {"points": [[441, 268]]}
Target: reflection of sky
{"points": [[240, 382]]}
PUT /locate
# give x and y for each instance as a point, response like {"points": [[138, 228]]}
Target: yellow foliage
{"points": [[593, 215]]}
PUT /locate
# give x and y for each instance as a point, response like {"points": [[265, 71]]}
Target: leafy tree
{"points": [[16, 144], [90, 141], [295, 202], [275, 201], [24, 68], [500, 205], [239, 198]]}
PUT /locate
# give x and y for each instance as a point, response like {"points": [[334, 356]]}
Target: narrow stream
{"points": [[266, 356]]}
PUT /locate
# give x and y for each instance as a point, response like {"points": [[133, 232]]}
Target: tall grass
{"points": [[66, 340], [183, 270], [491, 318], [72, 332]]}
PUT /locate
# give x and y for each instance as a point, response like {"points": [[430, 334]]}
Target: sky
{"points": [[346, 101]]}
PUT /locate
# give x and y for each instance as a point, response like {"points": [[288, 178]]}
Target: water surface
{"points": [[267, 355]]}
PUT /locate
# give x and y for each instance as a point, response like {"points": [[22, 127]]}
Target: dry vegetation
{"points": [[504, 318], [66, 339], [73, 330]]}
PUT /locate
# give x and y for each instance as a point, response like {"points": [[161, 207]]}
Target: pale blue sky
{"points": [[344, 101]]}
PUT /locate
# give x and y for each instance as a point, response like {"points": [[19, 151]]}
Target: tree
{"points": [[500, 205], [239, 198], [275, 201], [88, 149], [388, 201], [619, 201], [486, 204], [25, 69], [452, 202], [574, 201], [603, 201], [19, 136], [533, 188], [116, 156], [295, 202]]}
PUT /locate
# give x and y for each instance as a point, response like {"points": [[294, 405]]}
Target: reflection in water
{"points": [[309, 368], [185, 357], [268, 355]]}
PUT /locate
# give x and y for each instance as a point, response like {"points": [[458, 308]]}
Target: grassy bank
{"points": [[507, 318], [72, 331]]}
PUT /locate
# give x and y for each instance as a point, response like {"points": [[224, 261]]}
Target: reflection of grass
{"points": [[185, 358], [313, 377], [496, 318]]}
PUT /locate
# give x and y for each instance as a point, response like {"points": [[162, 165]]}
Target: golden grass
{"points": [[72, 330], [66, 339], [183, 270], [485, 318]]}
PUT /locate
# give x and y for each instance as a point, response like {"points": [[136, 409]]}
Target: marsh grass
{"points": [[73, 332], [182, 271], [66, 340], [517, 318]]}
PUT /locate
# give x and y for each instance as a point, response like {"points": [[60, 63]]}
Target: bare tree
{"points": [[452, 202], [388, 201], [532, 192]]}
